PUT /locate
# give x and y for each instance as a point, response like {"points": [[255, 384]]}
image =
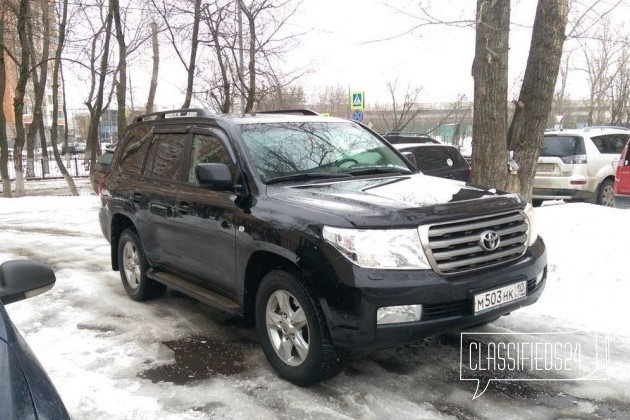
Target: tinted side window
{"points": [[132, 156], [610, 144], [562, 146], [208, 149], [165, 154]]}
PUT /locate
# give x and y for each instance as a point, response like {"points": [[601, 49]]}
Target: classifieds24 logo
{"points": [[553, 356]]}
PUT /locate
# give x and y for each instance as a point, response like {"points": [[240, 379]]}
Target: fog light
{"points": [[396, 314]]}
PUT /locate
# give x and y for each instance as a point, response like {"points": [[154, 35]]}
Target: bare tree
{"points": [[4, 146], [61, 37], [155, 47], [334, 100], [620, 89], [284, 97], [404, 108]]}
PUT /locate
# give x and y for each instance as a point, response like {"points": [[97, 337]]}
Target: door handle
{"points": [[183, 208]]}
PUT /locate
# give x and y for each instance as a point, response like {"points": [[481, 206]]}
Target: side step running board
{"points": [[194, 291]]}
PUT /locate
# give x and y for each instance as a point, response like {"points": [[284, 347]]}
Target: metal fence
{"points": [[42, 168]]}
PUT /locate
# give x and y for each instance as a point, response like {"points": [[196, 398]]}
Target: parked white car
{"points": [[579, 164]]}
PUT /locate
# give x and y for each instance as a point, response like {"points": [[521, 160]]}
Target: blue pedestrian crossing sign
{"points": [[357, 100]]}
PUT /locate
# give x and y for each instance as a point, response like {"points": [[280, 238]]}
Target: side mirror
{"points": [[215, 175], [22, 279], [410, 157]]}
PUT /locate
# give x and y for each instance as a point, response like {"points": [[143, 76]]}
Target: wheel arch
{"points": [[259, 264]]}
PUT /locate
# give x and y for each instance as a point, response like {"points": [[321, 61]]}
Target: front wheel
{"points": [[292, 330], [605, 193], [133, 267]]}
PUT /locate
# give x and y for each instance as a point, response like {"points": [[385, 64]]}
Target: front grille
{"points": [[455, 247]]}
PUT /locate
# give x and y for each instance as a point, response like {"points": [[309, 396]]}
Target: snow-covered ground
{"points": [[174, 358]]}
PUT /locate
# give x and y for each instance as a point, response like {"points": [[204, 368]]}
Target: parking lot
{"points": [[173, 357]]}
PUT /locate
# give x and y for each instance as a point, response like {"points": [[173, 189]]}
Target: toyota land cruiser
{"points": [[315, 229]]}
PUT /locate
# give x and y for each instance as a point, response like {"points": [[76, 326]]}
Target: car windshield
{"points": [[562, 146], [317, 149]]}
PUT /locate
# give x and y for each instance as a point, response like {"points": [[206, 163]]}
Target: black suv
{"points": [[315, 229]]}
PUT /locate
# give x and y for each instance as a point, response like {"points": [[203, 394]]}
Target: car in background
{"points": [[579, 165], [622, 179], [73, 148], [395, 137], [100, 168], [441, 160], [26, 391]]}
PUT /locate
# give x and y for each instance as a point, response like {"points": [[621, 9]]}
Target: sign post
{"points": [[357, 100]]}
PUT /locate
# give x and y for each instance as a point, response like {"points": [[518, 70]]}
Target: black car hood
{"points": [[397, 200]]}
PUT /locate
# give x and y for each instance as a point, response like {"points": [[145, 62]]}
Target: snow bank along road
{"points": [[174, 358]]}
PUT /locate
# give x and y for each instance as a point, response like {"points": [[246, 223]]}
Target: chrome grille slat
{"points": [[479, 225], [464, 251], [454, 247], [474, 238]]}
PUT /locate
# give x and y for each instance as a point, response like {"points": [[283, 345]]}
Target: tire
{"points": [[605, 193], [292, 330], [133, 269]]}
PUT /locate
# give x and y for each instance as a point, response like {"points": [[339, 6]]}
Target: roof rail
{"points": [[603, 127], [173, 113], [289, 111]]}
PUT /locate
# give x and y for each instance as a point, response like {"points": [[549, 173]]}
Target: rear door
{"points": [[162, 179]]}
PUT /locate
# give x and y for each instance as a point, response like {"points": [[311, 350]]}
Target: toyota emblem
{"points": [[489, 240]]}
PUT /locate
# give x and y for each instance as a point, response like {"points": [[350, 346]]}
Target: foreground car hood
{"points": [[398, 200]]}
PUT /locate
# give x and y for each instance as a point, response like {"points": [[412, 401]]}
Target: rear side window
{"points": [[562, 146], [430, 158], [610, 144], [165, 154], [132, 156]]}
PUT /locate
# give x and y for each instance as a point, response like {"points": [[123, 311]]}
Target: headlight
{"points": [[531, 222], [395, 248]]}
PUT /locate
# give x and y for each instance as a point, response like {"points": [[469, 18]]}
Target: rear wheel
{"points": [[133, 269], [605, 193], [292, 330]]}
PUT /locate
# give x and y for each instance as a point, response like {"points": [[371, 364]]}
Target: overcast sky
{"points": [[354, 43]]}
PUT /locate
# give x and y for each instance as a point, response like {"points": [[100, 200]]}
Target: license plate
{"points": [[496, 298], [545, 167]]}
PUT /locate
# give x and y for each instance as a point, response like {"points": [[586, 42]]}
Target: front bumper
{"points": [[447, 303]]}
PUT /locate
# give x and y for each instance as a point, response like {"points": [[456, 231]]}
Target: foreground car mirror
{"points": [[215, 175], [22, 279]]}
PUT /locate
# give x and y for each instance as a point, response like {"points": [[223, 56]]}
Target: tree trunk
{"points": [[121, 88], [250, 90], [156, 67], [193, 55], [40, 75], [18, 101], [490, 73], [55, 92], [4, 144], [536, 96]]}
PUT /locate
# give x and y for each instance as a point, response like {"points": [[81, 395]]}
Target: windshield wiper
{"points": [[307, 176], [378, 170]]}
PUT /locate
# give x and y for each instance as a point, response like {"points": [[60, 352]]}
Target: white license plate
{"points": [[545, 167], [499, 297]]}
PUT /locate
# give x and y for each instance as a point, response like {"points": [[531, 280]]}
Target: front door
{"points": [[207, 219]]}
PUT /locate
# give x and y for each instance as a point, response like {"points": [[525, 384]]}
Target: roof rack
{"points": [[173, 113], [604, 127], [289, 111]]}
